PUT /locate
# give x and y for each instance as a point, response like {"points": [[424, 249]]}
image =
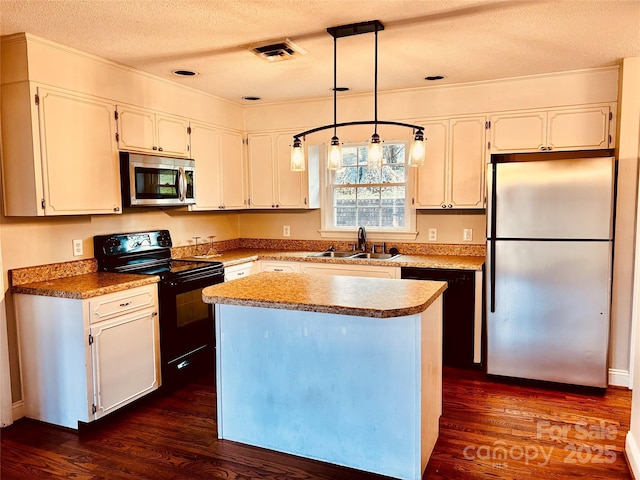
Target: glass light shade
{"points": [[374, 156], [417, 151], [334, 154], [297, 156]]}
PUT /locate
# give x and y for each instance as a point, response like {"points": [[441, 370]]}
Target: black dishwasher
{"points": [[457, 315]]}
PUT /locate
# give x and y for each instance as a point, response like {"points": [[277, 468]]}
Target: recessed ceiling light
{"points": [[184, 73], [340, 89], [433, 78], [252, 99]]}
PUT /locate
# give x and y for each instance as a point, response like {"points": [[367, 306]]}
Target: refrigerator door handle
{"points": [[492, 241]]}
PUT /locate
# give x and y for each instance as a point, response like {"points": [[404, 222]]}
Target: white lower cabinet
{"points": [[82, 359]]}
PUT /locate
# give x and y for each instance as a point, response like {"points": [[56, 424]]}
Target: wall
{"points": [[630, 148], [305, 225]]}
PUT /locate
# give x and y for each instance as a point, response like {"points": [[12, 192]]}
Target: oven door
{"points": [[187, 340]]}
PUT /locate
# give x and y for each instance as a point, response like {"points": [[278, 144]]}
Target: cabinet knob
{"points": [[449, 206], [542, 149], [155, 148], [443, 206], [160, 149], [116, 209]]}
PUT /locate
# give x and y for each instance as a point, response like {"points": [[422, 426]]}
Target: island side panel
{"points": [[336, 388], [431, 392]]}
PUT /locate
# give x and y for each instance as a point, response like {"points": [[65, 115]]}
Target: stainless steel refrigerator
{"points": [[549, 260]]}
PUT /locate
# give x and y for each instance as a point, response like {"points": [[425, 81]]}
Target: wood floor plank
{"points": [[490, 429]]}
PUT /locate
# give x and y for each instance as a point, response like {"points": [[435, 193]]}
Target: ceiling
{"points": [[466, 40]]}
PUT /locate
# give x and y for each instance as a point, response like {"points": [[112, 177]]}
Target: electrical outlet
{"points": [[77, 248], [467, 235], [433, 234], [286, 231]]}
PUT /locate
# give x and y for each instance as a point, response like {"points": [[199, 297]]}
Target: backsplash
{"points": [[320, 245]]}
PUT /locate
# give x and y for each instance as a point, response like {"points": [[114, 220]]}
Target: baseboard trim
{"points": [[633, 454], [618, 378], [17, 410]]}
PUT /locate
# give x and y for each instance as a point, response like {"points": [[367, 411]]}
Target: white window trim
{"points": [[327, 230]]}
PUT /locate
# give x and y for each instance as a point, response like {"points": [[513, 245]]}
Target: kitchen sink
{"points": [[330, 254], [375, 256], [360, 255]]}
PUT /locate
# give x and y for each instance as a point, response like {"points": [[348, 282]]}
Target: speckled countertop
{"points": [[370, 297], [86, 285], [80, 279], [455, 262]]}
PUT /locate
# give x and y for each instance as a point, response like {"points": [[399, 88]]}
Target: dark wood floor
{"points": [[489, 429]]}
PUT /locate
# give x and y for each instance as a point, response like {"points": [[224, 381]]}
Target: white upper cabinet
{"points": [[453, 173], [576, 128], [149, 131], [272, 184], [60, 152], [220, 169]]}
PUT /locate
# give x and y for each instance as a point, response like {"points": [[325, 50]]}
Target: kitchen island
{"points": [[345, 370]]}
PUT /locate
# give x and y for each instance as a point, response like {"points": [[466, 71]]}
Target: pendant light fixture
{"points": [[374, 155]]}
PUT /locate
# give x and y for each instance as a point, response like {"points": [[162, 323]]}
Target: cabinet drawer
{"points": [[274, 266], [108, 306], [238, 271]]}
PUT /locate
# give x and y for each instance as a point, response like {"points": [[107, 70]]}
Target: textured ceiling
{"points": [[463, 39]]}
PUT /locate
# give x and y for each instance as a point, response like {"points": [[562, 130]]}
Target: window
{"points": [[374, 198]]}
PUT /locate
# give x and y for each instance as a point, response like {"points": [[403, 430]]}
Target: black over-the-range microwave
{"points": [[149, 180]]}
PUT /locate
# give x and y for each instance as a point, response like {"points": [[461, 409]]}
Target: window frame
{"points": [[330, 230]]}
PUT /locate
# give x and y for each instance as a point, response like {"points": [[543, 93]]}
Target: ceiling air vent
{"points": [[278, 51]]}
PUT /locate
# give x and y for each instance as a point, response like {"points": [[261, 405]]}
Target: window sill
{"points": [[372, 234]]}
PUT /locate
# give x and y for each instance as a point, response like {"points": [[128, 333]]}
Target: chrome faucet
{"points": [[362, 239]]}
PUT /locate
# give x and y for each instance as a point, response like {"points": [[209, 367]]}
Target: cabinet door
{"points": [[205, 150], [234, 192], [518, 132], [467, 162], [136, 129], [261, 168], [79, 154], [578, 129], [291, 186], [432, 177], [125, 359], [172, 135]]}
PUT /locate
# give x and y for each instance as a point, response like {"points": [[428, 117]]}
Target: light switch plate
{"points": [[467, 234], [433, 234], [77, 248], [286, 231]]}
